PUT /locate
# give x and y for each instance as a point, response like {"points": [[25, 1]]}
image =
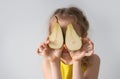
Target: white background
{"points": [[24, 23]]}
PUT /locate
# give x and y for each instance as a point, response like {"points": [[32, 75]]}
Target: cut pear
{"points": [[56, 37], [72, 39]]}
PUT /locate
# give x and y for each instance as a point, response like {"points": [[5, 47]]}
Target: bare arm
{"points": [[51, 70], [46, 69], [77, 70], [55, 70]]}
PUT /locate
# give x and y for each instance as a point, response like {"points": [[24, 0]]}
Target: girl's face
{"points": [[63, 24]]}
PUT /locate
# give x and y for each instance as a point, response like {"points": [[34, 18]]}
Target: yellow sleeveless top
{"points": [[66, 70]]}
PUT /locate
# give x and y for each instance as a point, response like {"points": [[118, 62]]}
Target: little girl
{"points": [[62, 63]]}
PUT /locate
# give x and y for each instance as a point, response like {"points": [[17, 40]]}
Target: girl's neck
{"points": [[65, 57], [67, 61]]}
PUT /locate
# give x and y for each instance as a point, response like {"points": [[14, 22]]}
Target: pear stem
{"points": [[56, 19]]}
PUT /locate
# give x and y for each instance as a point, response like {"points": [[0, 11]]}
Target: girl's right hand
{"points": [[51, 54]]}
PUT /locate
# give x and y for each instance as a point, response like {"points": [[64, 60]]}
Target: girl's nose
{"points": [[65, 46]]}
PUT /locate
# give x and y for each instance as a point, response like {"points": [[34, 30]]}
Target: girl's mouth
{"points": [[65, 51]]}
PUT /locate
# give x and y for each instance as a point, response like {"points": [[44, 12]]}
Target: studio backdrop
{"points": [[24, 24]]}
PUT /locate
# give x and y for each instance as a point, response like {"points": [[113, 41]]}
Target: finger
{"points": [[37, 51], [44, 53], [41, 46], [83, 40], [47, 42], [86, 39], [47, 38], [89, 53], [45, 45], [90, 46], [85, 43]]}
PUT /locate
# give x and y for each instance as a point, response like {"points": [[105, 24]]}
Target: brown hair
{"points": [[77, 18]]}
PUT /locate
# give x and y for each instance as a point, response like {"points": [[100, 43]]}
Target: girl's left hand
{"points": [[87, 49]]}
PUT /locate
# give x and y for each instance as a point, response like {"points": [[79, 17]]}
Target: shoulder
{"points": [[92, 70], [94, 60], [96, 57]]}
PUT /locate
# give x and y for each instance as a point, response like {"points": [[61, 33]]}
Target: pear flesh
{"points": [[56, 37], [72, 40]]}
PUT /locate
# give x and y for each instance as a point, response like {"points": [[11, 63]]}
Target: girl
{"points": [[65, 64]]}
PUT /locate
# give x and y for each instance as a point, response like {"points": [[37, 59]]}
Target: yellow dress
{"points": [[66, 70]]}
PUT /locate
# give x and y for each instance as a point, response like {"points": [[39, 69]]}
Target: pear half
{"points": [[72, 39], [56, 37]]}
